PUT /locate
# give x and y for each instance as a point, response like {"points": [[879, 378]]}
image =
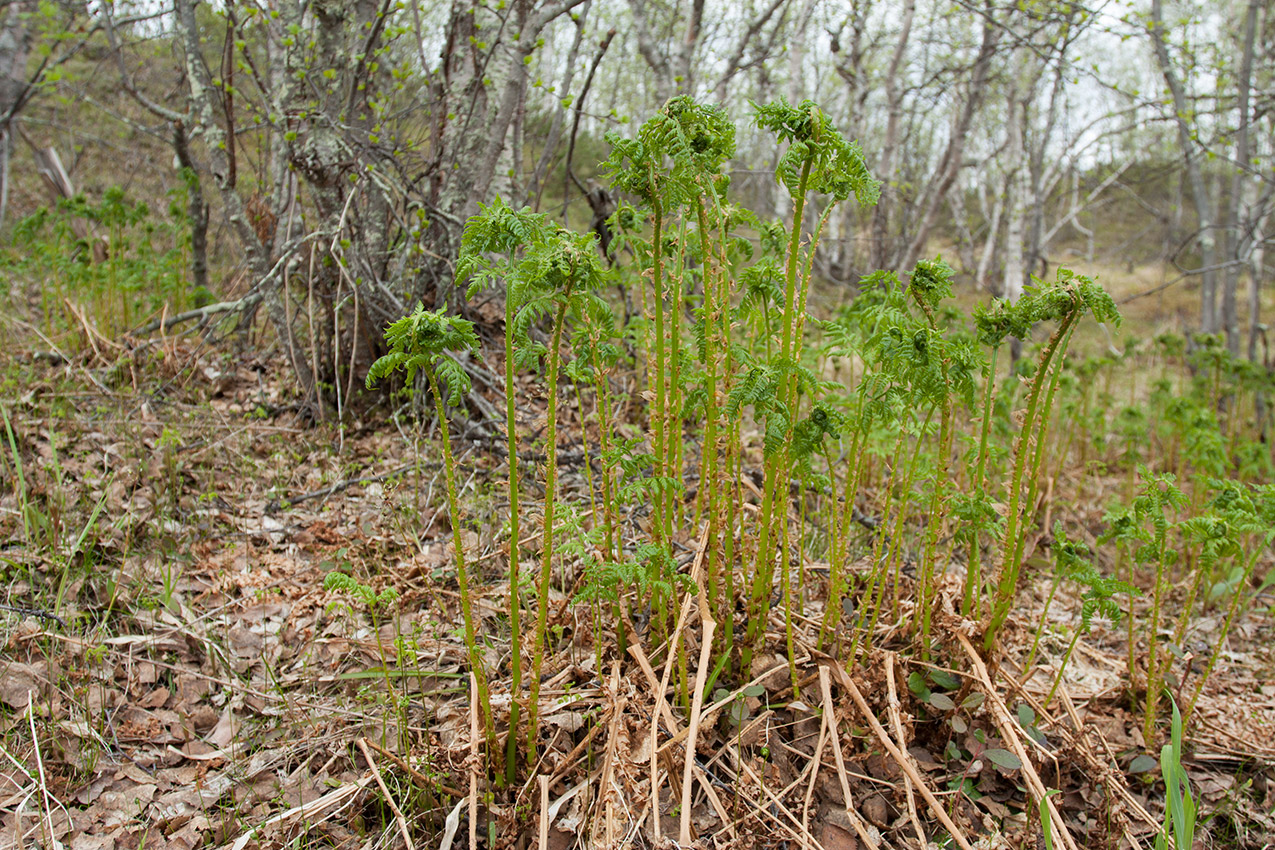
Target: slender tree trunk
{"points": [[886, 165], [196, 209], [480, 89], [1044, 175], [954, 154], [647, 40], [683, 71], [1194, 174], [1238, 247], [1256, 274], [209, 120], [549, 148], [1016, 180], [983, 274], [15, 46]]}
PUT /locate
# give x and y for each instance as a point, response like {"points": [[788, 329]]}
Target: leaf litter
{"points": [[181, 678]]}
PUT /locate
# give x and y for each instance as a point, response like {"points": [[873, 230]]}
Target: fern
{"points": [[424, 340], [1074, 563]]}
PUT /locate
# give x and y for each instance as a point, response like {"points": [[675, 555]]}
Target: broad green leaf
{"points": [[916, 684], [945, 680], [943, 702], [1144, 764], [1002, 758]]}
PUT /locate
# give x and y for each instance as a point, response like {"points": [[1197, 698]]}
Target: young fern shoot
{"points": [[820, 160], [424, 341], [499, 229], [563, 271], [1064, 302]]}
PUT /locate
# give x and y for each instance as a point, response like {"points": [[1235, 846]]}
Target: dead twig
{"points": [[389, 798], [275, 505], [1009, 731], [896, 721], [201, 313], [417, 777], [902, 759]]}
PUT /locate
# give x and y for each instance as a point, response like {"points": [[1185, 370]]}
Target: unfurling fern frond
{"points": [[757, 388], [424, 340]]}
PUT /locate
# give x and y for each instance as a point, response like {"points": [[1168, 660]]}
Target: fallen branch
{"points": [[201, 313], [34, 612], [291, 501]]}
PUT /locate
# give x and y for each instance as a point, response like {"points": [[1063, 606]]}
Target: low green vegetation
{"points": [[924, 458], [885, 476], [114, 261]]}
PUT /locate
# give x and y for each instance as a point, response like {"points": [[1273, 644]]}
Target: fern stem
{"points": [[515, 599], [462, 574], [777, 464], [546, 563], [1008, 579], [972, 600]]}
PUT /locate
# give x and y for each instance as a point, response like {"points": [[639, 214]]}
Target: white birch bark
{"points": [[1194, 174]]}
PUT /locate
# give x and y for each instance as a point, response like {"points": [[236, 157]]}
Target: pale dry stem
{"points": [[830, 722], [1011, 732], [901, 758], [389, 799], [896, 722]]}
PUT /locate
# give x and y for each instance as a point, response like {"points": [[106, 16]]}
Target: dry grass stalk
{"points": [[46, 799], [717, 706], [1013, 739], [475, 759], [312, 813], [417, 777], [830, 722], [711, 793], [902, 759], [661, 706], [1113, 779], [544, 812], [606, 788], [816, 761], [896, 722], [697, 703], [793, 826], [389, 799]]}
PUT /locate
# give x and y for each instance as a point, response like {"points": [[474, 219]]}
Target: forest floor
{"points": [[174, 673]]}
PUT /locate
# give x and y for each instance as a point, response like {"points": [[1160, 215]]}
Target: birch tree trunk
{"points": [[953, 155], [208, 124], [1016, 201], [982, 275], [15, 46], [1238, 247], [1194, 174], [878, 257], [480, 87]]}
